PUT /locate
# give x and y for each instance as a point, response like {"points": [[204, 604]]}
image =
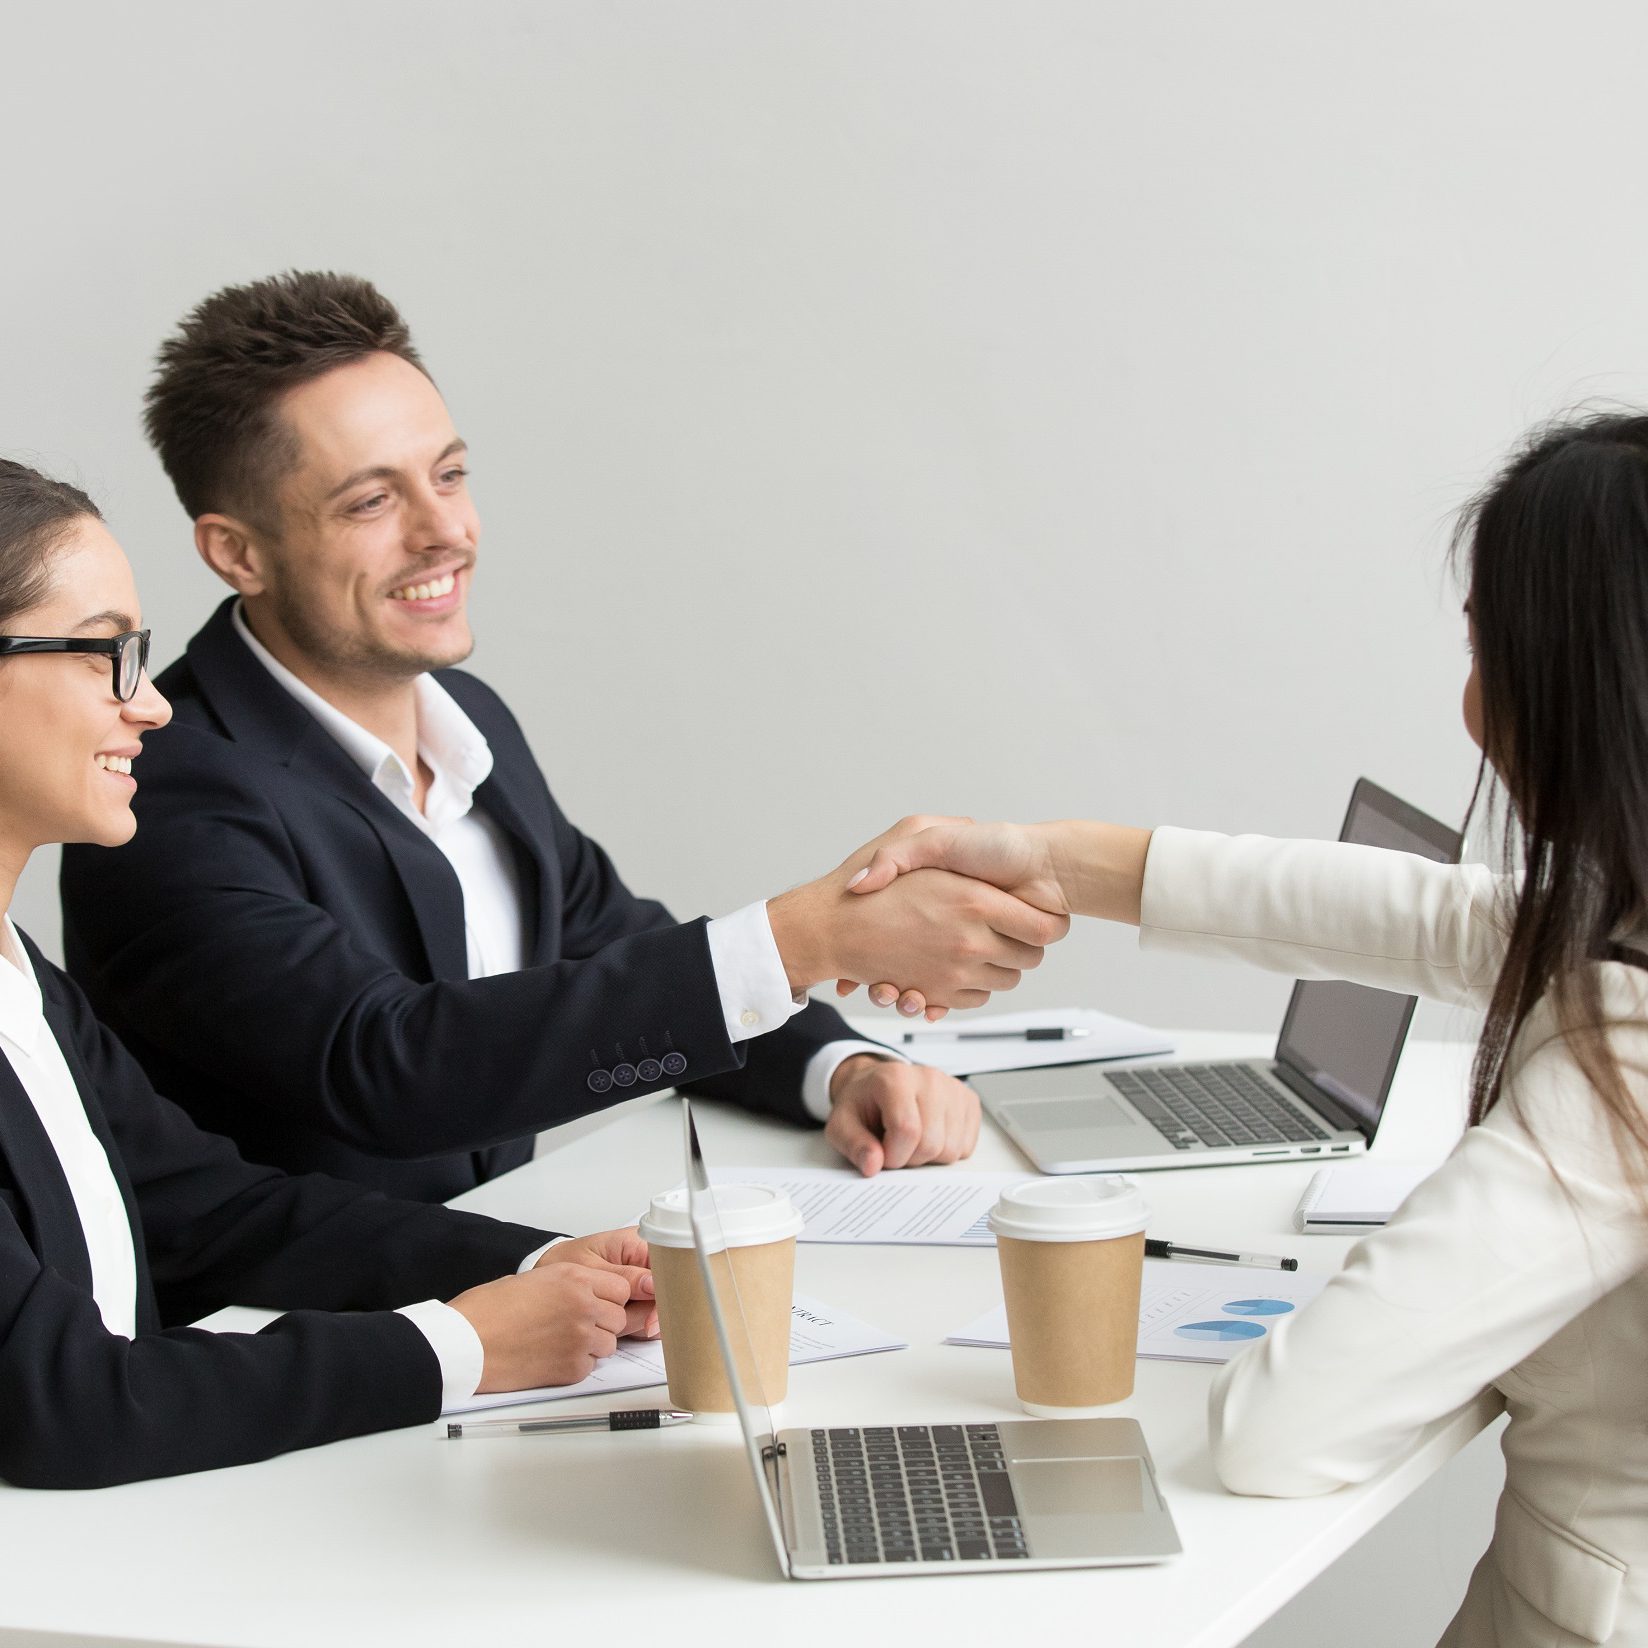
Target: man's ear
{"points": [[231, 549]]}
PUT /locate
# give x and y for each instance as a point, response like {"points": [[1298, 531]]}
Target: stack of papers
{"points": [[1189, 1312], [817, 1334], [941, 1045]]}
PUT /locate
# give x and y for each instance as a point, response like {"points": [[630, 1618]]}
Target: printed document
{"points": [[1190, 1312], [817, 1334], [926, 1206]]}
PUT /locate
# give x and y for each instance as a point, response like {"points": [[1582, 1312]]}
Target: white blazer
{"points": [[1497, 1272]]}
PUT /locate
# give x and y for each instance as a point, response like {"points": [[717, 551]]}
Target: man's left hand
{"points": [[887, 1114]]}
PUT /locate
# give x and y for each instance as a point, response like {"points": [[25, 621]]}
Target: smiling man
{"points": [[354, 931]]}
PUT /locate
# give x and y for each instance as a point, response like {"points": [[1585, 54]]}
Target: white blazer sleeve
{"points": [[1324, 909], [1485, 1262]]}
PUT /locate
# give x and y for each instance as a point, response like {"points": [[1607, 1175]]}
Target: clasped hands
{"points": [[941, 913]]}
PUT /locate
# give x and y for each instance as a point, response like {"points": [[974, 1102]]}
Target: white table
{"points": [[406, 1538]]}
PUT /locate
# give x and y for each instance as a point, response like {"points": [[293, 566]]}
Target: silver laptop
{"points": [[851, 1502], [1322, 1094]]}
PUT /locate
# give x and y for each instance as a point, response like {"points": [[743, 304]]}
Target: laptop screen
{"points": [[1345, 1039], [755, 1417]]}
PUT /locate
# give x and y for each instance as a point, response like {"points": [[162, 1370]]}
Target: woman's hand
{"points": [[1010, 856], [1067, 868]]}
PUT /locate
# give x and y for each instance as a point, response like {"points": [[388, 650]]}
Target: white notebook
{"points": [[1356, 1196]]}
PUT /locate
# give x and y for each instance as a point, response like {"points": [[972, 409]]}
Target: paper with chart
{"points": [[939, 1045], [817, 1334], [929, 1206], [1189, 1312]]}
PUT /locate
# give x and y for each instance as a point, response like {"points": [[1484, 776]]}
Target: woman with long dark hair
{"points": [[1519, 1266]]}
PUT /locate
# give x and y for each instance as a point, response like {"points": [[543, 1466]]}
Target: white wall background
{"points": [[1016, 408]]}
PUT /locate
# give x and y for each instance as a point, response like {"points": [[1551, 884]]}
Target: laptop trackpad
{"points": [[1073, 1112], [1082, 1487], [1084, 1128], [1087, 1509]]}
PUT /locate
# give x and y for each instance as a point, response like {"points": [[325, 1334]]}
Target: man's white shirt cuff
{"points": [[749, 974], [457, 1347], [822, 1066]]}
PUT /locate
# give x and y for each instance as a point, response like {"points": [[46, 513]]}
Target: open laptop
{"points": [[1322, 1094], [851, 1502]]}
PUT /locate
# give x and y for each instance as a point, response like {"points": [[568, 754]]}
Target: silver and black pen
{"points": [[623, 1419], [1215, 1256], [1043, 1033]]}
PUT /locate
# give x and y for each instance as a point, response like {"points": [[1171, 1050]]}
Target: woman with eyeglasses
{"points": [[120, 1220], [1521, 1265]]}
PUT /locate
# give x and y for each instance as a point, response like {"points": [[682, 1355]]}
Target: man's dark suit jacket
{"points": [[284, 952], [81, 1407]]}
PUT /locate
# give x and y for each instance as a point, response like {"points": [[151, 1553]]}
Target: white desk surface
{"points": [[409, 1539]]}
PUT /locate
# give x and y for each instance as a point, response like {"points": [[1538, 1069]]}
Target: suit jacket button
{"points": [[624, 1074], [600, 1081], [649, 1070], [674, 1064]]}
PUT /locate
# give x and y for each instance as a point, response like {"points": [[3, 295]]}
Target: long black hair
{"points": [[1556, 557]]}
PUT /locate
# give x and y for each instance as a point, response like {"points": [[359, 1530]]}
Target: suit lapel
{"points": [[41, 1187], [502, 799], [63, 1030], [258, 711], [426, 874]]}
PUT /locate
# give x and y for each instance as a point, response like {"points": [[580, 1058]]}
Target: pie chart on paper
{"points": [[1258, 1307], [1224, 1332]]}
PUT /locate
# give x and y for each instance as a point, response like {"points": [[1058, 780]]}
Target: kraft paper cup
{"points": [[1072, 1261], [759, 1226]]}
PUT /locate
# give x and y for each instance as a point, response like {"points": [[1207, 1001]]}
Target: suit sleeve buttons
{"points": [[624, 1074], [600, 1081], [673, 1064]]}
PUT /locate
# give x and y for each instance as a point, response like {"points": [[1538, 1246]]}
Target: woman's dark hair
{"points": [[1556, 557], [35, 514]]}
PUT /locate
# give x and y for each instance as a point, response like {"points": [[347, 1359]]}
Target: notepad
{"points": [[1357, 1196]]}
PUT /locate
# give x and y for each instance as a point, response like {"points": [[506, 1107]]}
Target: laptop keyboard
{"points": [[916, 1493], [1212, 1104]]}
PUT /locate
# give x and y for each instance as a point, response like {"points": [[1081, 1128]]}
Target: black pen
{"points": [[1215, 1256], [624, 1419], [1045, 1033]]}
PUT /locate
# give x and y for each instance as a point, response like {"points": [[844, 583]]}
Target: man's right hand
{"points": [[953, 939], [549, 1326]]}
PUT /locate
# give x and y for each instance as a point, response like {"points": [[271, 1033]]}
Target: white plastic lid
{"points": [[748, 1215], [1070, 1210]]}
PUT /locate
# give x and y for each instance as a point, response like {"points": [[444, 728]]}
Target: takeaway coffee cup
{"points": [[1072, 1259], [752, 1259]]}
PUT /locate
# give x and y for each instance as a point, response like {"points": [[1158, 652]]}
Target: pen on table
{"points": [[1045, 1033], [625, 1419], [1216, 1256]]}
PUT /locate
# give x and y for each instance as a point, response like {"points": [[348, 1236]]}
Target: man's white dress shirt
{"points": [[749, 973]]}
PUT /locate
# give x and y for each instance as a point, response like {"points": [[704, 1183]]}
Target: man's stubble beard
{"points": [[350, 654]]}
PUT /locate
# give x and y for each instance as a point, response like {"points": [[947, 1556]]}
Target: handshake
{"points": [[940, 912], [937, 913]]}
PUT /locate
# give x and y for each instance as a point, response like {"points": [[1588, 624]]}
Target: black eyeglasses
{"points": [[128, 654]]}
